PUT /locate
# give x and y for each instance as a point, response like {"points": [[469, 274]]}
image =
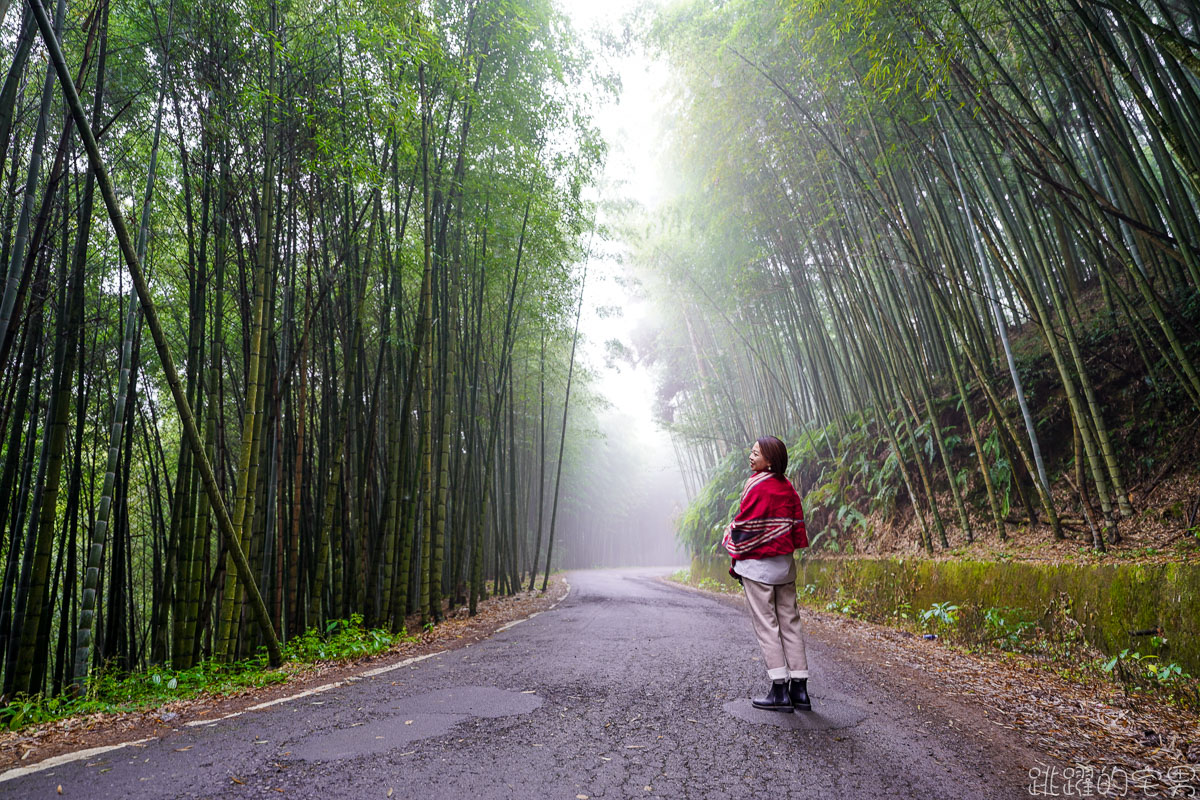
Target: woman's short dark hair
{"points": [[775, 452]]}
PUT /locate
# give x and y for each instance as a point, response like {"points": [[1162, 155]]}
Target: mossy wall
{"points": [[1109, 602]]}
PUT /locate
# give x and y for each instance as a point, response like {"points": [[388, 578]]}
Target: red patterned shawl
{"points": [[770, 519]]}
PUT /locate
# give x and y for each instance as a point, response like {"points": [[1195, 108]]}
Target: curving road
{"points": [[632, 687]]}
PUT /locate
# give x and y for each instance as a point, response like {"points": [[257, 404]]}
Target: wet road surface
{"points": [[632, 687]]}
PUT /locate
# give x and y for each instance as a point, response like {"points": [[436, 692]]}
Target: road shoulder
{"points": [[1021, 710], [26, 748]]}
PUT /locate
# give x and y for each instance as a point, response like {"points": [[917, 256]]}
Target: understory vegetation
{"points": [[112, 690]]}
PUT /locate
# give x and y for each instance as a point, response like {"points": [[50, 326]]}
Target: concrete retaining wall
{"points": [[1109, 602]]}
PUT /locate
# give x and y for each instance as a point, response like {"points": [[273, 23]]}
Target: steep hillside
{"points": [[857, 503]]}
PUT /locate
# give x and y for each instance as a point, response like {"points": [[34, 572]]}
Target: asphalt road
{"points": [[630, 688]]}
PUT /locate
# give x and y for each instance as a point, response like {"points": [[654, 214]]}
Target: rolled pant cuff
{"points": [[798, 674], [778, 674]]}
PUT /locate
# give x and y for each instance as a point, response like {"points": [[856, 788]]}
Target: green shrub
{"points": [[341, 639], [845, 603], [945, 615], [1135, 671]]}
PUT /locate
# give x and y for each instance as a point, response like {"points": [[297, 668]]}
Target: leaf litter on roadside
{"points": [[1088, 724]]}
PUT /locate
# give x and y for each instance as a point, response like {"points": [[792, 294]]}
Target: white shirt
{"points": [[773, 570]]}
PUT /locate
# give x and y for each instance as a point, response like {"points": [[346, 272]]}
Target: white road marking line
{"points": [[325, 687], [516, 622], [371, 673], [213, 721], [277, 701], [67, 758], [559, 600]]}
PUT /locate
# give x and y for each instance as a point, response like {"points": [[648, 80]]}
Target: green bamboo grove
{"points": [[289, 311], [884, 208]]}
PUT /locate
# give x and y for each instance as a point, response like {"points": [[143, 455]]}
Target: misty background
{"points": [[622, 490]]}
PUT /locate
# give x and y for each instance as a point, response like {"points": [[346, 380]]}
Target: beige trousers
{"points": [[777, 625]]}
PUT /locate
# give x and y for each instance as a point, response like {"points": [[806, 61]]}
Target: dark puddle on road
{"points": [[827, 714], [418, 717]]}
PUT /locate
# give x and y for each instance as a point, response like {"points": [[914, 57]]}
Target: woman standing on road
{"points": [[769, 525]]}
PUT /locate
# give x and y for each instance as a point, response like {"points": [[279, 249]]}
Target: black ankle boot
{"points": [[777, 698], [798, 692]]}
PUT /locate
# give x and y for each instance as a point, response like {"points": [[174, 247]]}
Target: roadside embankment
{"points": [[1147, 609]]}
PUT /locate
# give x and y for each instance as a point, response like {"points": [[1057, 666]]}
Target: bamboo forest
{"points": [[359, 318], [333, 335], [951, 248]]}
